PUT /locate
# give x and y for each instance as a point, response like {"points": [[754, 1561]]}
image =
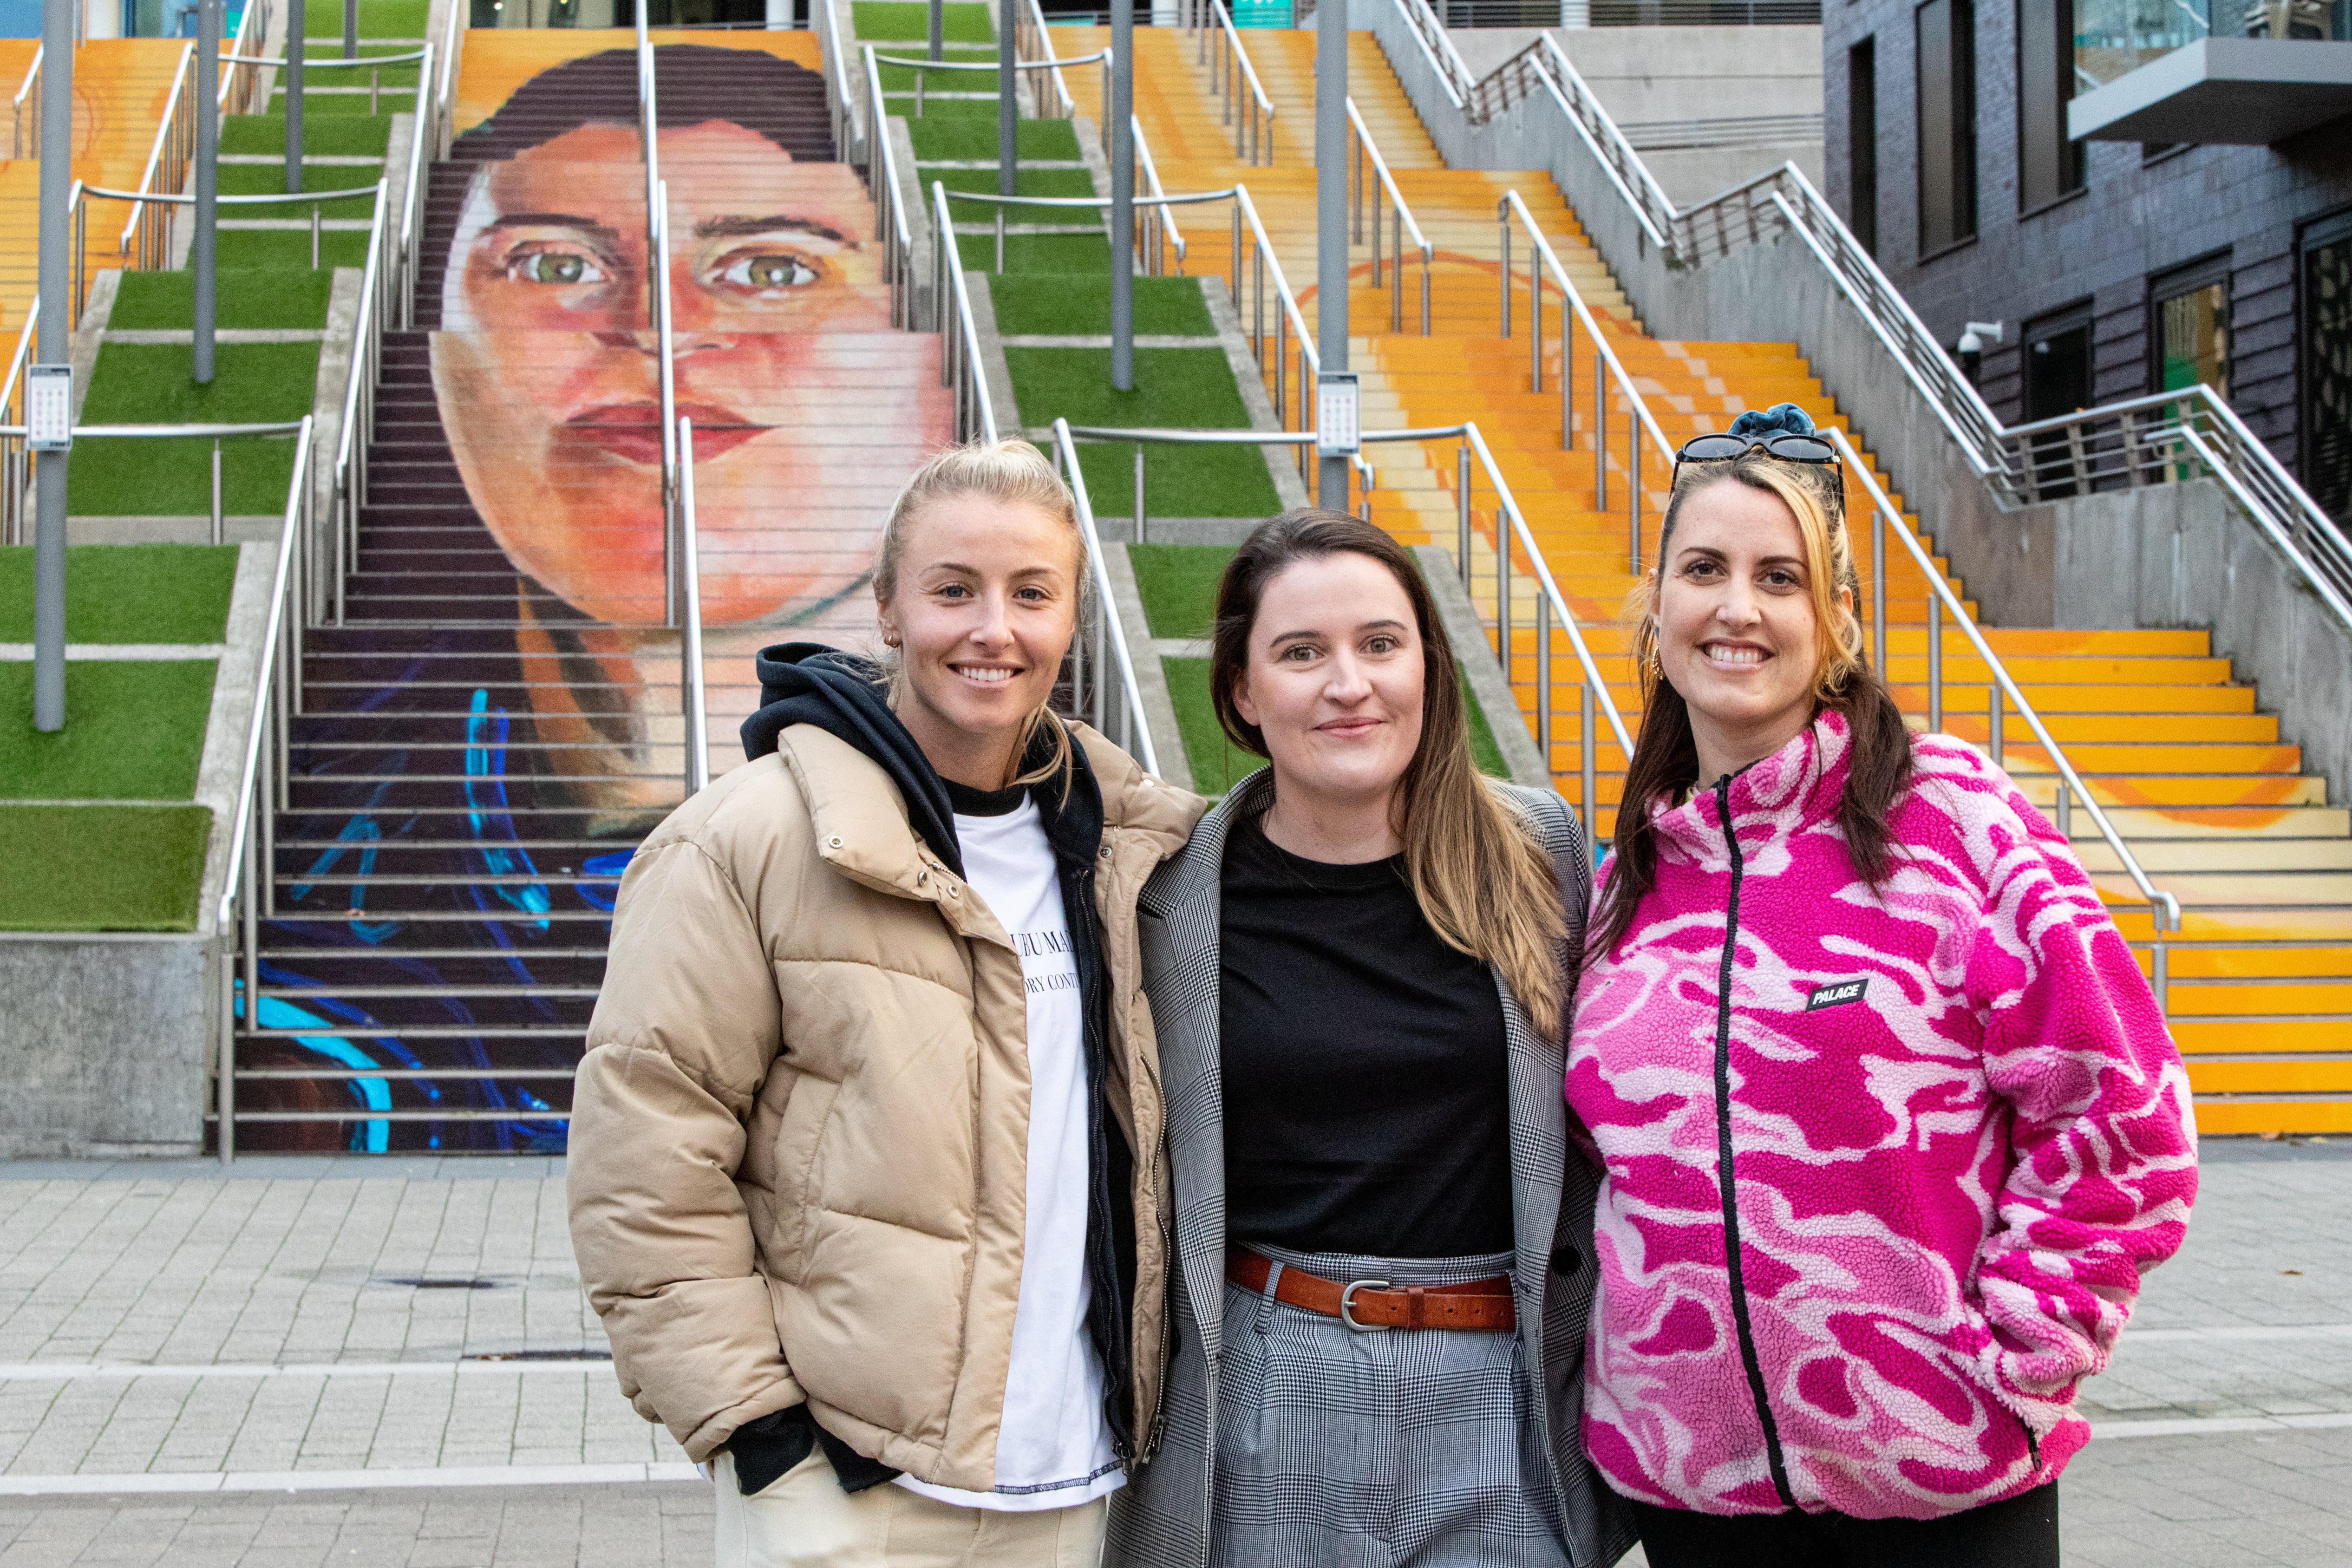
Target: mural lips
{"points": [[633, 431]]}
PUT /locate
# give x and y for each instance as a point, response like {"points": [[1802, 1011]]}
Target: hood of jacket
{"points": [[843, 694]]}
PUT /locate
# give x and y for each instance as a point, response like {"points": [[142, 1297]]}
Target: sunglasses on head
{"points": [[1718, 447]]}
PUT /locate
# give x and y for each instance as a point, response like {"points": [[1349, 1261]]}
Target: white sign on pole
{"points": [[48, 407], [1338, 432]]}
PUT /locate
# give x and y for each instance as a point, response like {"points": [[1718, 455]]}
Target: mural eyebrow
{"points": [[602, 233], [729, 227]]}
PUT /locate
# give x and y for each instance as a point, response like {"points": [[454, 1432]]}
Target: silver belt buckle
{"points": [[1347, 1305]]}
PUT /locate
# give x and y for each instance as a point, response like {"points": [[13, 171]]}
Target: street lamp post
{"points": [[297, 45], [1331, 222], [203, 247], [1122, 194], [57, 325], [1008, 105]]}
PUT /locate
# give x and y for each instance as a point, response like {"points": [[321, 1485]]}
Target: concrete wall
{"points": [[2182, 556], [1645, 75]]}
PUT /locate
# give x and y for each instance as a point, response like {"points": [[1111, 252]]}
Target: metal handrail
{"points": [[359, 406], [1051, 65], [1253, 127], [1133, 732], [412, 215], [262, 782], [1437, 48], [252, 29], [182, 198], [693, 701], [1551, 605], [669, 374], [1152, 189], [1606, 367], [2327, 590], [2163, 907], [845, 120], [1031, 20], [891, 227], [1401, 223], [445, 116], [334, 62], [960, 365], [25, 89], [159, 151]]}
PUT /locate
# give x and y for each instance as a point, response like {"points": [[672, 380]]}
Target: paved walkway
{"points": [[355, 1362]]}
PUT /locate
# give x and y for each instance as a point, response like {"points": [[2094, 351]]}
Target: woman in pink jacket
{"points": [[1889, 1122]]}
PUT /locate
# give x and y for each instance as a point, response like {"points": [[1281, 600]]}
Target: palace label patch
{"points": [[1836, 994]]}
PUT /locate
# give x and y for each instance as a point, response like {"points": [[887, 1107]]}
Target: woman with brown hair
{"points": [[1358, 969], [1891, 1123]]}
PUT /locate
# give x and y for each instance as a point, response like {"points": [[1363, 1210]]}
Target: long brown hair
{"points": [[1484, 882], [1666, 758]]}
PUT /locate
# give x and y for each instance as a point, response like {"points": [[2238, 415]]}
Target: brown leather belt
{"points": [[1483, 1306]]}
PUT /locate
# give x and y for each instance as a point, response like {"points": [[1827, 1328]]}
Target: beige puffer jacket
{"points": [[799, 1140]]}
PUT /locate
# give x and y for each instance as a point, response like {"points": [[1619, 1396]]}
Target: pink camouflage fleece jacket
{"points": [[1881, 1170]]}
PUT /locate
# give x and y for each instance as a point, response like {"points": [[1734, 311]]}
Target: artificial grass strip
{"points": [[284, 298], [1179, 584], [341, 105], [1216, 763], [1054, 253], [901, 78], [1173, 387], [126, 593], [152, 384], [879, 19], [102, 868], [322, 21], [1482, 748], [134, 731], [269, 180], [966, 139], [1164, 307], [323, 136], [1028, 183], [147, 477], [284, 248]]}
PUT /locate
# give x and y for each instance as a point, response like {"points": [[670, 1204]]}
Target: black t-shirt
{"points": [[1366, 1071]]}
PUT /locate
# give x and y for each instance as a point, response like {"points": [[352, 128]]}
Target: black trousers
{"points": [[2021, 1531]]}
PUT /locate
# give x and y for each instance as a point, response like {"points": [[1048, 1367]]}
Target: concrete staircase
{"points": [[497, 723], [2212, 801]]}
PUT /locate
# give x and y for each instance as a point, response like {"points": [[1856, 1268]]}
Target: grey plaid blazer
{"points": [[1160, 1517]]}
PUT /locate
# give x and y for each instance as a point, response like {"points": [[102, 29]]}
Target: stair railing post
{"points": [[1505, 275], [1142, 521], [1566, 378], [1634, 483], [1585, 722], [1878, 591], [225, 1063], [2065, 809], [217, 526], [1535, 321], [1935, 661], [1994, 712], [1503, 590], [1599, 429], [1543, 677], [1462, 509]]}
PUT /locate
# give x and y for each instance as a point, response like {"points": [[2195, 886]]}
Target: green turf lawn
{"points": [[901, 78], [147, 383], [389, 99], [1164, 307], [251, 296], [323, 135], [126, 593], [269, 179], [1177, 387], [134, 731], [1056, 253], [102, 868], [323, 67], [1030, 182], [967, 138], [322, 20], [879, 19], [278, 249], [1179, 584]]}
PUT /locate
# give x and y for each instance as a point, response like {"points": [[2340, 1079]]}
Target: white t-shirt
{"points": [[1054, 1449]]}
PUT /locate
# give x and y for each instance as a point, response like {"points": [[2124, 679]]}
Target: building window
{"points": [[1861, 141], [2057, 382], [1947, 97], [2327, 364], [2189, 327], [2049, 165]]}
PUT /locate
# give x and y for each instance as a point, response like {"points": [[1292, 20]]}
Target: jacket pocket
{"points": [[800, 1140]]}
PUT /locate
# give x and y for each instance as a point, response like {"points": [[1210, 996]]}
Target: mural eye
{"points": [[767, 270], [562, 267]]}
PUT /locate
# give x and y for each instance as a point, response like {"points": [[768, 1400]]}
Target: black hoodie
{"points": [[842, 694]]}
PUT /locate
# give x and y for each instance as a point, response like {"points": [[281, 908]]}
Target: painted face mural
{"points": [[507, 723]]}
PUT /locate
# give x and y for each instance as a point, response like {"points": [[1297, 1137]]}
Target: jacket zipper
{"points": [[1723, 1173]]}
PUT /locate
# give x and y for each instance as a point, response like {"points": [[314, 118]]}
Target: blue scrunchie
{"points": [[1780, 419]]}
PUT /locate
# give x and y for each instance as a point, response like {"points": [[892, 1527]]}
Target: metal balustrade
{"points": [[694, 702], [1219, 47], [1100, 669], [1363, 150]]}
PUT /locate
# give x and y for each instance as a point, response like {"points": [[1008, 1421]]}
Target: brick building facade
{"points": [[2248, 248]]}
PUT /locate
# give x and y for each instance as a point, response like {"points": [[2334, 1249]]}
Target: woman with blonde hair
{"points": [[1358, 969], [1890, 1123], [863, 1168]]}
